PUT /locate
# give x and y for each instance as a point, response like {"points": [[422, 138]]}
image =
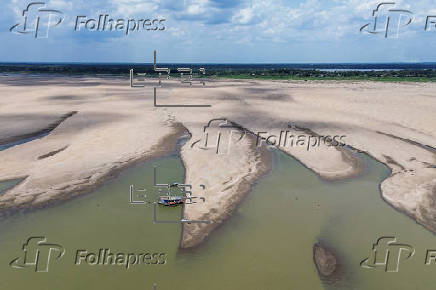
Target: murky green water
{"points": [[7, 184], [267, 244]]}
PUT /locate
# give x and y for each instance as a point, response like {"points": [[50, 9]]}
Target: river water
{"points": [[267, 244]]}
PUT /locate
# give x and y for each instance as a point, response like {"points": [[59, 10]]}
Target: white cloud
{"points": [[127, 8], [245, 22]]}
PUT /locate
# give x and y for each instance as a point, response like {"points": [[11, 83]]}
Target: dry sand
{"points": [[116, 125]]}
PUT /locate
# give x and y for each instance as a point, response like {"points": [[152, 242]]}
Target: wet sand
{"points": [[116, 125]]}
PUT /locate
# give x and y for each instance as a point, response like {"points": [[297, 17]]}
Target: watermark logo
{"points": [[430, 257], [225, 132], [38, 20], [38, 254], [105, 22], [388, 21], [430, 23], [388, 254], [222, 134], [286, 139], [106, 257]]}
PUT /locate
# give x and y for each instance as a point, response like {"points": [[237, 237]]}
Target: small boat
{"points": [[168, 200]]}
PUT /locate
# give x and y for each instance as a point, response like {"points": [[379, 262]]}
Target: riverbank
{"points": [[116, 125]]}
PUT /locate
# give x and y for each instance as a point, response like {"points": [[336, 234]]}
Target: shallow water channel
{"points": [[267, 244]]}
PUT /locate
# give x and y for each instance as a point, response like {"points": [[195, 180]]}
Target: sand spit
{"points": [[228, 180], [19, 127], [116, 125]]}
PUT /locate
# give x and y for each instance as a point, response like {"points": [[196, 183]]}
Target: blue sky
{"points": [[224, 31]]}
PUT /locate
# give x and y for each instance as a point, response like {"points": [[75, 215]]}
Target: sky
{"points": [[220, 31]]}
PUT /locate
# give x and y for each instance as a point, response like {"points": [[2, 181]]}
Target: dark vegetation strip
{"points": [[392, 72], [330, 77]]}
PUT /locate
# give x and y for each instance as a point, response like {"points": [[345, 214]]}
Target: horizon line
{"points": [[216, 63]]}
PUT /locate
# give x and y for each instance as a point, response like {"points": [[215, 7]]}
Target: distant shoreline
{"points": [[394, 72], [358, 78], [362, 78]]}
